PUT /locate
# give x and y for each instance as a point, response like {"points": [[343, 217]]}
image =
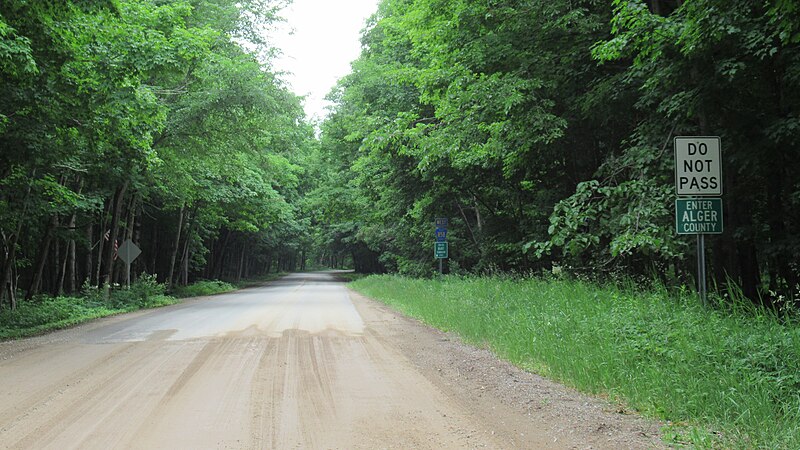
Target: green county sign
{"points": [[698, 215], [440, 250]]}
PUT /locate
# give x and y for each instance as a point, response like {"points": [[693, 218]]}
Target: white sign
{"points": [[698, 165]]}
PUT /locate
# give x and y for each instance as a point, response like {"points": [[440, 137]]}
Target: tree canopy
{"points": [[144, 120], [544, 131]]}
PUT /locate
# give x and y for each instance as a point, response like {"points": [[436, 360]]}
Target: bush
{"points": [[46, 314], [143, 293], [203, 287], [51, 313]]}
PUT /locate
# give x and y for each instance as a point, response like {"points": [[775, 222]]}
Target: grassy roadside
{"points": [[349, 276], [721, 379], [46, 314]]}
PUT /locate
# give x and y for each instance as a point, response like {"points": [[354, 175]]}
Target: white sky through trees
{"points": [[318, 41]]}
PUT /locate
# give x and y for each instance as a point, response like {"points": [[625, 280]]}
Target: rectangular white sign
{"points": [[698, 165]]}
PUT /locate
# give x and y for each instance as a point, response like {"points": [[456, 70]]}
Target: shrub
{"points": [[203, 287], [144, 292]]}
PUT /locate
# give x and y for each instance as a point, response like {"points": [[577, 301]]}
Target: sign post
{"points": [[440, 247], [127, 252], [698, 173]]}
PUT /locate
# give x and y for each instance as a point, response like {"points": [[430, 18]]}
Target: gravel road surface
{"points": [[300, 363]]}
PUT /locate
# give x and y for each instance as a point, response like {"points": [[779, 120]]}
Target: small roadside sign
{"points": [[698, 166], [441, 222], [441, 234], [128, 251], [698, 215], [440, 250]]}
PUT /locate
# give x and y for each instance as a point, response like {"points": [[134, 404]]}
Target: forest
{"points": [[158, 122], [544, 132], [542, 129]]}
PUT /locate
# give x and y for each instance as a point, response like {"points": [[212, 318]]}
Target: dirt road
{"points": [[300, 363]]}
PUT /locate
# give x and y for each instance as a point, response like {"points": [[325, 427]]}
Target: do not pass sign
{"points": [[698, 165]]}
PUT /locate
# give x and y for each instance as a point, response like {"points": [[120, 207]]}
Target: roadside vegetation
{"points": [[349, 276], [44, 313], [543, 130], [204, 287], [157, 123], [726, 377]]}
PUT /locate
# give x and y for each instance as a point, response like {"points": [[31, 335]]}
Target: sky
{"points": [[319, 40]]}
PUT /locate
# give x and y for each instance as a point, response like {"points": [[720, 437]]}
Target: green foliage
{"points": [[203, 287], [732, 371], [145, 292], [349, 276], [466, 110], [544, 131], [51, 313], [42, 312], [48, 314], [164, 117]]}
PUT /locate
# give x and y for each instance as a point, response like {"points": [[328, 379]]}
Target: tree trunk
{"points": [[241, 264], [115, 217], [72, 266], [9, 285], [184, 271], [185, 265], [69, 261], [153, 245], [469, 227], [88, 262], [101, 242], [129, 226], [42, 260], [175, 248], [8, 265], [219, 259], [51, 277]]}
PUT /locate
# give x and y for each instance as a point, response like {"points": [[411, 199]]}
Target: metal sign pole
{"points": [[441, 271], [698, 173], [701, 268], [129, 275]]}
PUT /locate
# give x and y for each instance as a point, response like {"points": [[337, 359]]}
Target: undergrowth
{"points": [[203, 287], [725, 377], [43, 314]]}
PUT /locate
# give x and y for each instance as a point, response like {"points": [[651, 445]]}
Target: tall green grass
{"points": [[733, 376]]}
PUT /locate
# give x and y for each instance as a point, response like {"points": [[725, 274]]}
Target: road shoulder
{"points": [[530, 410]]}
